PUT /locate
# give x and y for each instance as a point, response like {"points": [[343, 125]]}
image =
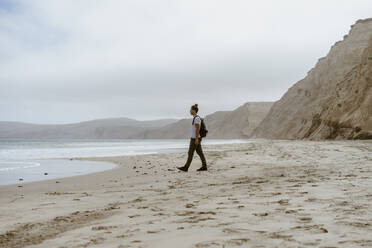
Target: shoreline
{"points": [[102, 160], [267, 192], [56, 171], [50, 168]]}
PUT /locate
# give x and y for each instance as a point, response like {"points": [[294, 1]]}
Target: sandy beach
{"points": [[260, 194]]}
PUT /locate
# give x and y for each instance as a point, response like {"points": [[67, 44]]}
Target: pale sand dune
{"points": [[260, 194]]}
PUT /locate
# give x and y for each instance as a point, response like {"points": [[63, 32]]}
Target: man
{"points": [[195, 141]]}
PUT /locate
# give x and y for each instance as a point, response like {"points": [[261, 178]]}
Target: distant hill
{"points": [[113, 128], [238, 123], [334, 100]]}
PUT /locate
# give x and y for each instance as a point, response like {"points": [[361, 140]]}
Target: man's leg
{"points": [[199, 151], [190, 156], [190, 153]]}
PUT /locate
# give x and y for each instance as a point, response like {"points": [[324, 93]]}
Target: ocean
{"points": [[35, 160]]}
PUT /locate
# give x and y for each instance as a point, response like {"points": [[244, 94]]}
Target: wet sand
{"points": [[260, 194]]}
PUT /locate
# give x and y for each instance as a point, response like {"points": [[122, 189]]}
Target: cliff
{"points": [[334, 100]]}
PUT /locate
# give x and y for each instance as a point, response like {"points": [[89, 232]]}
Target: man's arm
{"points": [[197, 126]]}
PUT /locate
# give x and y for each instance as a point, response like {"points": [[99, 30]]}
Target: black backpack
{"points": [[203, 129]]}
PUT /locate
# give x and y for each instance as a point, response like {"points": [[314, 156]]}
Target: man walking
{"points": [[195, 141]]}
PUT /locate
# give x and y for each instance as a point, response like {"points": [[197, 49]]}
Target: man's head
{"points": [[194, 109]]}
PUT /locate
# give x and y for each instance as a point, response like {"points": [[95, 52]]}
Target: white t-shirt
{"points": [[193, 128]]}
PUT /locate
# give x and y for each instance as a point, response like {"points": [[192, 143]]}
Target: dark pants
{"points": [[199, 151]]}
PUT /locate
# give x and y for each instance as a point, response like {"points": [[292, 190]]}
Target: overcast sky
{"points": [[67, 61]]}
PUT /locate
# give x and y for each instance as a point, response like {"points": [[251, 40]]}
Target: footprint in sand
{"points": [[277, 235], [155, 231], [195, 216], [222, 243], [312, 228], [94, 241], [100, 228], [283, 202], [291, 211], [134, 216], [304, 219], [260, 214], [190, 205]]}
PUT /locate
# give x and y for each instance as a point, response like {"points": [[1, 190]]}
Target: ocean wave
{"points": [[17, 165]]}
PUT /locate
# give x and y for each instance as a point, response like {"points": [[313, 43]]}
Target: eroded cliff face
{"points": [[347, 114], [334, 100]]}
